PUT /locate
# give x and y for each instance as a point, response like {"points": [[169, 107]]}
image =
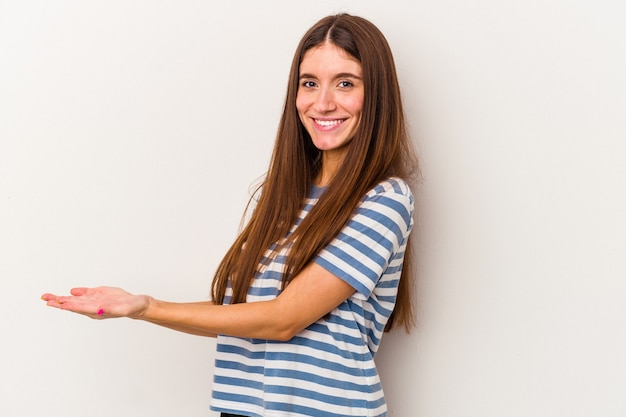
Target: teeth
{"points": [[328, 123]]}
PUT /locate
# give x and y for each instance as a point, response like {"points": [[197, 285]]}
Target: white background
{"points": [[131, 132]]}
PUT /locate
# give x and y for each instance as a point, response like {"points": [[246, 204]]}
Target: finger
{"points": [[76, 307], [56, 304], [48, 296], [78, 291], [67, 298]]}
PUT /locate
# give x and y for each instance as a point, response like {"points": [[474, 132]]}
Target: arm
{"points": [[186, 329], [310, 296], [119, 303]]}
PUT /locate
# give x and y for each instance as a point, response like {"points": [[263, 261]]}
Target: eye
{"points": [[346, 84], [308, 84]]}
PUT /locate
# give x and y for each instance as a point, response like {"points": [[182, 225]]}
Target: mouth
{"points": [[328, 124]]}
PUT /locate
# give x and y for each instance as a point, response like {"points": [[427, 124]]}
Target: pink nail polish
{"points": [[100, 312]]}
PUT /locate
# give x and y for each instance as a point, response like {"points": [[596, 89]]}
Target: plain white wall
{"points": [[130, 133]]}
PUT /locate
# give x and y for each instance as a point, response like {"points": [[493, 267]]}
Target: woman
{"points": [[301, 299]]}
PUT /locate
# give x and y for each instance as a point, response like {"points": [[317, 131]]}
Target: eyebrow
{"points": [[340, 75]]}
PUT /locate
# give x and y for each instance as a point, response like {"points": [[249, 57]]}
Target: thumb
{"points": [[78, 291]]}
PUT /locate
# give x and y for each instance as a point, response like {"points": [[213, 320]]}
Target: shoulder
{"points": [[393, 185], [391, 189], [389, 202]]}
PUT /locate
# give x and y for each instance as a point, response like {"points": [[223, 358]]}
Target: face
{"points": [[330, 97]]}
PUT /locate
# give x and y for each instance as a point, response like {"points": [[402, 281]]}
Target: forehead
{"points": [[328, 57]]}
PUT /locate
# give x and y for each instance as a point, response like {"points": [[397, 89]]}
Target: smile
{"points": [[328, 123]]}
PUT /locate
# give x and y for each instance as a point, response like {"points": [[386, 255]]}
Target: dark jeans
{"points": [[230, 415]]}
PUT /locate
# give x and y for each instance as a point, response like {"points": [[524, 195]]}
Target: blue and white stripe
{"points": [[327, 369]]}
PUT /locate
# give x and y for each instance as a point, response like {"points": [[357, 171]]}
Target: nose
{"points": [[325, 100]]}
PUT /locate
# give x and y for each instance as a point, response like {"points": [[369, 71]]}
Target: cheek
{"points": [[301, 115], [300, 104], [355, 105]]}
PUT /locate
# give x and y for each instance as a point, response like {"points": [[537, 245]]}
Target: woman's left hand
{"points": [[100, 302]]}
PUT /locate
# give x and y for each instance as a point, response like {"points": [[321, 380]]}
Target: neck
{"points": [[331, 161]]}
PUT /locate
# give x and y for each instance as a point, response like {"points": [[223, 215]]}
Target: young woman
{"points": [[301, 299]]}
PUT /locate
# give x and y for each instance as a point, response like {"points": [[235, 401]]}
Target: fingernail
{"points": [[100, 312]]}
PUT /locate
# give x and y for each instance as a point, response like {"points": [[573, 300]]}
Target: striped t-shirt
{"points": [[327, 369]]}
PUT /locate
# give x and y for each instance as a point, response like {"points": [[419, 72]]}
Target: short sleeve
{"points": [[375, 236]]}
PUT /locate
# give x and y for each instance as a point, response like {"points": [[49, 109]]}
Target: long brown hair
{"points": [[380, 149]]}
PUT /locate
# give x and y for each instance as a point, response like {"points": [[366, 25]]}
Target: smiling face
{"points": [[330, 98]]}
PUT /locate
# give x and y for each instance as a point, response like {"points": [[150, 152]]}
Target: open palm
{"points": [[100, 302]]}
